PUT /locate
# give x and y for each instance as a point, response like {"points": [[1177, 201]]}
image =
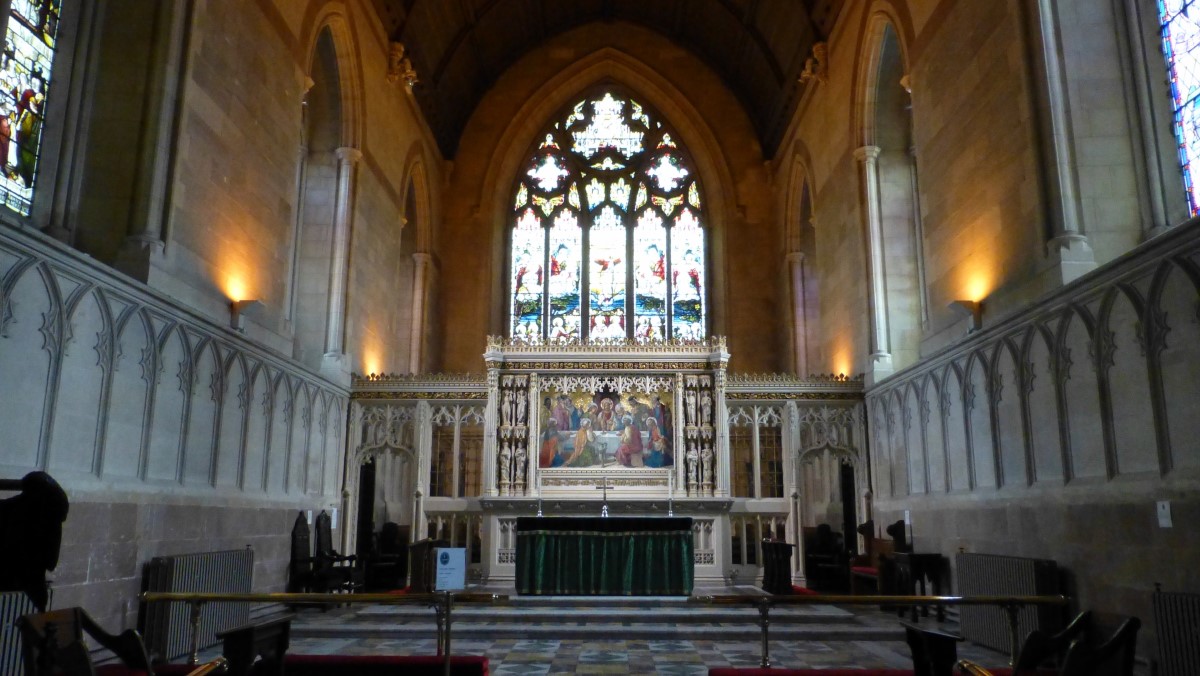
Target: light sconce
{"points": [[972, 309], [238, 310]]}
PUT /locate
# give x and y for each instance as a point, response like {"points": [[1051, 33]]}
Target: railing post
{"points": [[194, 657], [764, 607], [1014, 644], [449, 601]]}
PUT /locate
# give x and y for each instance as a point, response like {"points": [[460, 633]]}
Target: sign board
{"points": [[450, 564]]}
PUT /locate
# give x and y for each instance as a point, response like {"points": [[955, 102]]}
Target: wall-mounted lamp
{"points": [[238, 310], [972, 309]]}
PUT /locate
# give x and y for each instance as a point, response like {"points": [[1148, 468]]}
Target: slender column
{"points": [[678, 439], [339, 267], [490, 447], [423, 434], [457, 451], [1068, 246], [350, 478], [795, 263], [881, 351], [151, 199], [918, 237], [533, 414], [420, 282], [721, 413], [756, 455]]}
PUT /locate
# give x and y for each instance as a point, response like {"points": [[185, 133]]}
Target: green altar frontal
{"points": [[613, 556]]}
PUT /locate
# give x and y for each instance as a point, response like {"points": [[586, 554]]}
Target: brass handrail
{"points": [[441, 602], [1009, 604], [330, 599], [217, 666]]}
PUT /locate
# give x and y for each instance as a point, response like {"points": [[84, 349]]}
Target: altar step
{"points": [[593, 618]]}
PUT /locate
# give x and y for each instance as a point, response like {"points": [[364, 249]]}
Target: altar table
{"points": [[615, 556]]}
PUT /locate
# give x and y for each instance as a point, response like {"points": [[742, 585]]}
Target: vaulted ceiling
{"points": [[460, 47]]}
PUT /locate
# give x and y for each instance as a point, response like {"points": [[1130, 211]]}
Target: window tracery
{"points": [[30, 40], [608, 234], [1181, 45]]}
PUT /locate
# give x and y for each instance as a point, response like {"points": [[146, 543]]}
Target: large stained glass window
{"points": [[1180, 20], [608, 234], [30, 37]]}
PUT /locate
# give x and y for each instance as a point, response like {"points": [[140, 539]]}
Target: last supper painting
{"points": [[605, 429]]}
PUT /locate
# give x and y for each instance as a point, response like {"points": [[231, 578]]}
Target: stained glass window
{"points": [[609, 207], [1180, 20], [29, 42]]}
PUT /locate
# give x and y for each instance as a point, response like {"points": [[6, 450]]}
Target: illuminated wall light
{"points": [[969, 308], [238, 310]]}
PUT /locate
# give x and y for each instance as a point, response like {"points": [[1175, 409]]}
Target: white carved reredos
{"points": [[617, 383]]}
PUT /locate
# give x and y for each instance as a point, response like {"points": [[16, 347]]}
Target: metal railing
{"points": [[441, 602], [1010, 604]]}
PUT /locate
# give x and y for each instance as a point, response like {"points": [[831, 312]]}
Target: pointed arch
{"points": [[654, 90], [800, 244], [883, 118], [331, 125]]}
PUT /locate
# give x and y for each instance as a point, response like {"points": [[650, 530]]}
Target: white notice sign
{"points": [[451, 567]]}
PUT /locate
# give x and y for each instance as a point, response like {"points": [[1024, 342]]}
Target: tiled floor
{"points": [[633, 655]]}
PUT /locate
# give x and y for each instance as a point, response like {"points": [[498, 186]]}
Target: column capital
{"points": [[866, 153], [348, 154], [795, 257], [422, 259]]}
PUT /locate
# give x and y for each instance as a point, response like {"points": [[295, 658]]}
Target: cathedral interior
{"points": [[768, 264]]}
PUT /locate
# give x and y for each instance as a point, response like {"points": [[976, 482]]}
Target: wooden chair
{"points": [[1114, 657], [387, 566], [934, 652], [825, 560], [334, 572], [874, 566], [301, 566], [53, 645]]}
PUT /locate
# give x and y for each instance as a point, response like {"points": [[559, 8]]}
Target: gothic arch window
{"points": [[608, 233], [1181, 46], [312, 258], [30, 41]]}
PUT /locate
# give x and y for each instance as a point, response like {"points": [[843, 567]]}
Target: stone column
{"points": [[1068, 248], [350, 478], [423, 436], [533, 414], [336, 363], [678, 438], [881, 356], [756, 454], [420, 282], [145, 239], [721, 413], [918, 237], [795, 263], [456, 452], [490, 448]]}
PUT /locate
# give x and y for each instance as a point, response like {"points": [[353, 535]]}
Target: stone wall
{"points": [[1055, 434], [170, 434]]}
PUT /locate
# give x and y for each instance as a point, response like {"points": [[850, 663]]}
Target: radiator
{"points": [[995, 575], [166, 627], [12, 606], [1177, 621]]}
